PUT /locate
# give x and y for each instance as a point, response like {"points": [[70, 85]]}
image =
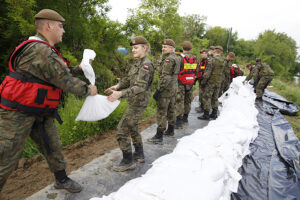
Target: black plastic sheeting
{"points": [[284, 106], [272, 170]]}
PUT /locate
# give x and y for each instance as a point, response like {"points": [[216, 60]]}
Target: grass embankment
{"points": [[290, 91]]}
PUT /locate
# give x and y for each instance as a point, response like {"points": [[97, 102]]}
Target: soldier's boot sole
{"points": [[72, 190], [203, 118], [179, 127], [124, 168], [138, 158]]}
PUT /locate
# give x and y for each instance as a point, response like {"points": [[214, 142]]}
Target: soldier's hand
{"points": [[114, 96], [111, 89], [156, 95], [245, 81], [93, 90]]}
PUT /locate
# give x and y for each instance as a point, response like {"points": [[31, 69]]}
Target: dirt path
{"points": [[33, 174]]}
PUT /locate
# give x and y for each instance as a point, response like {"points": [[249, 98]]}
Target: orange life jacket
{"points": [[187, 75], [201, 68], [29, 95]]}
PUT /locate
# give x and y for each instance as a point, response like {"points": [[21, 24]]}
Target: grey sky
{"points": [[247, 17]]}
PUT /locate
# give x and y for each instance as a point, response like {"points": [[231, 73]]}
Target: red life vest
{"points": [[202, 67], [187, 75], [29, 95], [233, 74]]}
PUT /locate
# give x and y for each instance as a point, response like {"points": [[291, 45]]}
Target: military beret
{"points": [[212, 48], [258, 60], [187, 45], [219, 48], [231, 54], [49, 14], [169, 42], [203, 51], [138, 40]]}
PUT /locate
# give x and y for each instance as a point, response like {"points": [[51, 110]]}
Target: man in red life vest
{"points": [[186, 79], [30, 95]]}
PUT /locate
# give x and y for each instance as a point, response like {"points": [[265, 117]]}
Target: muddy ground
{"points": [[32, 175]]}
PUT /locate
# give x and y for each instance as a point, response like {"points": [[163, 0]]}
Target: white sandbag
{"points": [[96, 108], [86, 66]]}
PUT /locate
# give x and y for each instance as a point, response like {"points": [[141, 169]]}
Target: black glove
{"points": [[156, 95]]}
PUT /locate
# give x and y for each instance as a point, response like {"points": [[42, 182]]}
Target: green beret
{"points": [[212, 48], [219, 48], [231, 54], [138, 40], [169, 42], [49, 14], [187, 45]]}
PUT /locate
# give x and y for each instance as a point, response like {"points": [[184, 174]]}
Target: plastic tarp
{"points": [[205, 164], [94, 107], [272, 170]]}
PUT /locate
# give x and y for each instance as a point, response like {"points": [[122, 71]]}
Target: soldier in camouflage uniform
{"points": [[263, 75], [165, 95], [185, 91], [202, 63], [211, 82], [227, 72], [137, 87], [39, 61]]}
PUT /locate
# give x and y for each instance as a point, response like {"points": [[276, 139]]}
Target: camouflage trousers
{"points": [[128, 128], [184, 99], [15, 127], [263, 82], [210, 96], [201, 91], [224, 87], [166, 112]]}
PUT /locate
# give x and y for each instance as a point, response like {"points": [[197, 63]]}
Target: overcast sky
{"points": [[247, 17]]}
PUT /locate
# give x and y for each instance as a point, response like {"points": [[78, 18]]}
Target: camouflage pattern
{"points": [[250, 75], [184, 95], [36, 60], [137, 86], [211, 82], [263, 75], [226, 77], [167, 85], [201, 90]]}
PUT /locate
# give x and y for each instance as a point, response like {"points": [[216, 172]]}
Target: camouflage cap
{"points": [[138, 40], [231, 54], [219, 48], [187, 45], [203, 51], [212, 48], [49, 14], [169, 42]]}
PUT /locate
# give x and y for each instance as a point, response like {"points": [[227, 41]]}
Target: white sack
{"points": [[96, 107]]}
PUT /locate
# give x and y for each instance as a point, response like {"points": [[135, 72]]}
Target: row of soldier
{"points": [[30, 95]]}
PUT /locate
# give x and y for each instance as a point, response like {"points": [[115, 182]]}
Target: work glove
{"points": [[156, 95]]}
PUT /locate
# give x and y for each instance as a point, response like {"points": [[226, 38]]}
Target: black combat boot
{"points": [[62, 181], [179, 124], [157, 138], [214, 114], [205, 116], [258, 100], [126, 163], [170, 131], [138, 155], [185, 119]]}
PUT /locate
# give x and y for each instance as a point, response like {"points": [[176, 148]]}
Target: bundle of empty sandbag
{"points": [[94, 107]]}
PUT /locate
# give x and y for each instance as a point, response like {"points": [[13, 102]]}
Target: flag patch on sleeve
{"points": [[167, 61], [146, 67]]}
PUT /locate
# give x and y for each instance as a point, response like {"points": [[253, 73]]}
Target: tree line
{"points": [[88, 26]]}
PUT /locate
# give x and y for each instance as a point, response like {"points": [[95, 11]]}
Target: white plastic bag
{"points": [[96, 107]]}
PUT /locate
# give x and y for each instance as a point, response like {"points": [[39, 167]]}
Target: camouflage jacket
{"points": [[167, 74], [262, 69], [40, 61], [214, 71], [137, 85], [250, 75], [227, 70]]}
